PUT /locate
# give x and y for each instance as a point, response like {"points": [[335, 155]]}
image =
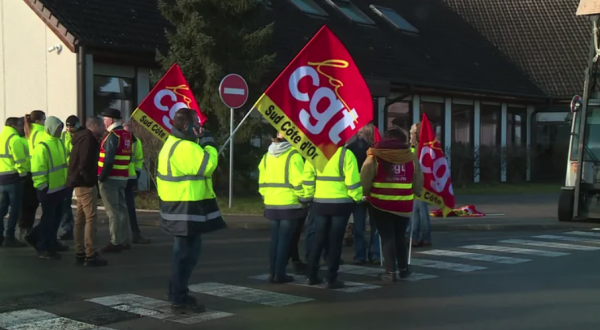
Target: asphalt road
{"points": [[549, 282]]}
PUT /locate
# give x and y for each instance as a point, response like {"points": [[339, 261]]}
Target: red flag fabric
{"points": [[437, 187], [320, 100], [157, 110], [377, 134], [464, 211]]}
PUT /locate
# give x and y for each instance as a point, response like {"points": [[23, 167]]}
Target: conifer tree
{"points": [[212, 38]]}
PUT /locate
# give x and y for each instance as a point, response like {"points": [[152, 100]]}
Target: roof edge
{"points": [[52, 22]]}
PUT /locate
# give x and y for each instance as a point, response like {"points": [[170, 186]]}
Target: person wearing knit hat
{"points": [[49, 172]]}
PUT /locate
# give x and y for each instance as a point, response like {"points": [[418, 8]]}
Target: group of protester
{"points": [[379, 178], [40, 164]]}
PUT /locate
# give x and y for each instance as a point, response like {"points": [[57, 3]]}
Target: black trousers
{"points": [[29, 205], [294, 250], [392, 229]]}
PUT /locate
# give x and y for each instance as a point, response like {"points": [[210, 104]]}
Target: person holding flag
{"points": [[335, 191], [420, 221], [390, 177]]}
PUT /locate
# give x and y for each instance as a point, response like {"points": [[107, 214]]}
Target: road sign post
{"points": [[233, 90]]}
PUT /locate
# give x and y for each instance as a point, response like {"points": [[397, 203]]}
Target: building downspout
{"points": [[81, 86]]}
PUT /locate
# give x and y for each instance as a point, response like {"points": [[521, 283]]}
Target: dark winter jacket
{"points": [[359, 148], [83, 165]]}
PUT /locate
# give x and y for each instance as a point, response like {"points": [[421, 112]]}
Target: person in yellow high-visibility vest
{"points": [[72, 126], [335, 192], [33, 132], [13, 168], [49, 173], [280, 185]]}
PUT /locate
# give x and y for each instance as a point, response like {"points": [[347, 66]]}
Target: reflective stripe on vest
{"points": [[198, 177], [120, 169], [7, 155], [286, 184], [388, 195], [52, 168]]}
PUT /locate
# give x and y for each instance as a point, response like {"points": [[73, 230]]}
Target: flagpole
{"points": [[235, 130]]}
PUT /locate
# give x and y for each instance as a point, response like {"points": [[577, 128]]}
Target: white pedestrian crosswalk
{"points": [[427, 265]]}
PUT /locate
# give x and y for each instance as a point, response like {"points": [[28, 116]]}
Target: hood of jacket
{"points": [[82, 134], [279, 148], [392, 151]]}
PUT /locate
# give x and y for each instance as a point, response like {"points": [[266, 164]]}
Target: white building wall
{"points": [[31, 78]]}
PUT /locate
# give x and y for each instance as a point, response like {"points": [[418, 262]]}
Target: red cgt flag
{"points": [[437, 185], [157, 110], [320, 100]]}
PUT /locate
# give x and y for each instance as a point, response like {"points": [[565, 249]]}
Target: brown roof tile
{"points": [[448, 53], [543, 37]]}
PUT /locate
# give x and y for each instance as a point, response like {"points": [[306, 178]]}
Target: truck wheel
{"points": [[565, 205]]}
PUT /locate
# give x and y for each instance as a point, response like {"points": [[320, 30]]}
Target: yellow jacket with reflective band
{"points": [[280, 180], [338, 183], [67, 141], [27, 164], [137, 158], [187, 201], [49, 164], [14, 156], [35, 137]]}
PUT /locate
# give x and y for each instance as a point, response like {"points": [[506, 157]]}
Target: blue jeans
{"points": [[421, 222], [330, 233], [360, 244], [45, 232], [279, 250], [67, 218], [11, 196], [310, 230], [186, 252]]}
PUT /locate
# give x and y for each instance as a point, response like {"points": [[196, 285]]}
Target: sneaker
{"points": [[314, 280], [283, 280], [67, 236], [95, 261], [79, 259], [111, 248], [190, 305], [359, 262], [49, 255], [405, 273], [337, 284], [388, 277], [139, 239]]}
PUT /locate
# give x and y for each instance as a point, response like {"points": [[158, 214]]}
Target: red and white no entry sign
{"points": [[233, 91]]}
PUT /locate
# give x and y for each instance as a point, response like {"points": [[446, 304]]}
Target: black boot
{"points": [[79, 259], [388, 277], [95, 261], [190, 305]]}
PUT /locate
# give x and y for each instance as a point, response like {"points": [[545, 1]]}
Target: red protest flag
{"points": [[157, 110], [437, 184], [377, 135], [320, 100]]}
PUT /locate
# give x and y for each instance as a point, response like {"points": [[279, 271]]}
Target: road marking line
{"points": [[569, 239], [154, 308], [507, 249], [251, 295], [476, 256], [234, 91], [444, 265], [351, 287], [494, 214], [31, 319], [550, 245], [582, 233], [374, 272]]}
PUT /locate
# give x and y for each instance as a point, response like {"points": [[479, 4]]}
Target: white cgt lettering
{"points": [[321, 118], [172, 110], [437, 183]]}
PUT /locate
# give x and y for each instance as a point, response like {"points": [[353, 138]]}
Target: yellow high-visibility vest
{"points": [[137, 158], [280, 180], [14, 156], [49, 164], [338, 183]]}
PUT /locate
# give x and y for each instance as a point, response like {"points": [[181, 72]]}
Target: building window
{"points": [[489, 130], [435, 113], [462, 124], [309, 7], [114, 92], [394, 18], [516, 128], [461, 152], [351, 11], [399, 114]]}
